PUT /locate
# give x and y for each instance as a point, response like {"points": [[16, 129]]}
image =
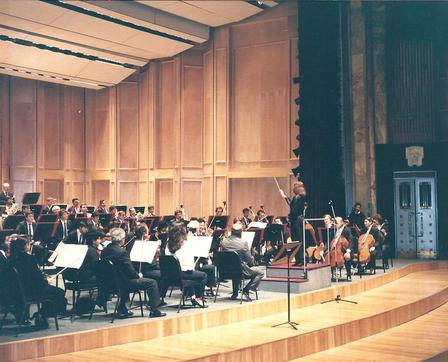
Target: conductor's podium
{"points": [[313, 277]]}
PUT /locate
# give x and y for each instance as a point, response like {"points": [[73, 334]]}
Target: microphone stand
{"points": [[338, 296]]}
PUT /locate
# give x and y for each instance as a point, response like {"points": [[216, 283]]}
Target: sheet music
{"points": [[198, 246], [248, 237], [258, 225], [144, 251], [53, 256], [70, 255]]}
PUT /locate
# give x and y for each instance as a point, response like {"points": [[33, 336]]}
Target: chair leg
{"points": [[217, 290], [116, 307], [140, 299], [3, 320], [171, 291], [241, 290], [20, 320], [181, 300], [132, 300]]}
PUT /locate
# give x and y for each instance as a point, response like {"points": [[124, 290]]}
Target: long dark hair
{"points": [[176, 234], [17, 247]]}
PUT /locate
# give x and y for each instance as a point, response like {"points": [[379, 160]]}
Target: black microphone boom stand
{"points": [[292, 324]]}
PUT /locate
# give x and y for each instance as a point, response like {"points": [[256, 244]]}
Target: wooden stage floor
{"points": [[245, 333]]}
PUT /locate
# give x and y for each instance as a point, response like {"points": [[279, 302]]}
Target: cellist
{"points": [[374, 250], [342, 230]]}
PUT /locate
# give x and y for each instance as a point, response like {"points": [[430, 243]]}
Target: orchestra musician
{"points": [[151, 212], [6, 193], [132, 220], [63, 227], [357, 217], [121, 222], [376, 249], [76, 207], [78, 236], [385, 242], [10, 207], [120, 257], [261, 216], [101, 209], [343, 230], [94, 221], [177, 234], [245, 220], [235, 243], [219, 211], [48, 205]]}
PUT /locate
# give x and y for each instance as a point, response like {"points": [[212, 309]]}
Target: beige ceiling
{"points": [[116, 32]]}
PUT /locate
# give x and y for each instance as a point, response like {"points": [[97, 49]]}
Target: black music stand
{"points": [[47, 218], [152, 222], [5, 233], [122, 208], [12, 221], [168, 219], [105, 220], [30, 198], [36, 209], [90, 209], [44, 231], [62, 206], [291, 323], [139, 209], [218, 221]]}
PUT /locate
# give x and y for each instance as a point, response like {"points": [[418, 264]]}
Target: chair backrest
{"points": [[228, 263], [105, 274], [170, 270], [11, 289]]}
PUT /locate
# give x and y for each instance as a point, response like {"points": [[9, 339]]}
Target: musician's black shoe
{"points": [[195, 303], [124, 314], [234, 296], [156, 314]]}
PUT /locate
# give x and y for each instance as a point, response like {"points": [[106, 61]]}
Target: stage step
{"points": [[318, 276]]}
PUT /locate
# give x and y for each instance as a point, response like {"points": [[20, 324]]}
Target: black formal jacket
{"points": [[31, 277], [4, 196], [87, 269], [121, 259], [58, 235], [22, 228], [72, 238], [296, 207]]}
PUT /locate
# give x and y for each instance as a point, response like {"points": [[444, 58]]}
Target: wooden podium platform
{"points": [[245, 332]]}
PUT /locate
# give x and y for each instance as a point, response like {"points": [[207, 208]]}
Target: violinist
{"points": [[132, 219], [63, 227], [261, 216], [75, 208], [178, 214], [121, 222], [48, 205], [245, 220], [101, 209], [151, 212], [344, 231], [95, 222], [219, 211]]}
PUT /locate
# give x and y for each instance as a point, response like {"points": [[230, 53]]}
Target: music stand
{"points": [[218, 221], [139, 209], [47, 218], [30, 198], [4, 234], [12, 221], [90, 209], [168, 219], [105, 220], [36, 209], [291, 323], [122, 208], [44, 231], [282, 255]]}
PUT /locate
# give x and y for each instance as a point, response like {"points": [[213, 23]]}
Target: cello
{"points": [[365, 242], [337, 248]]}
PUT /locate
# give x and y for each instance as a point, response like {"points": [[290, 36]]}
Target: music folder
{"points": [[69, 255], [144, 251]]}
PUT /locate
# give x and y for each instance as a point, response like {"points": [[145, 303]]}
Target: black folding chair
{"points": [[72, 282], [120, 284], [13, 298], [229, 266], [172, 277]]}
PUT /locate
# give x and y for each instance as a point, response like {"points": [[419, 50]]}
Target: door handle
{"points": [[420, 225], [410, 224]]}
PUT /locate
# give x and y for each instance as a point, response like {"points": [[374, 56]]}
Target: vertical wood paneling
{"points": [[53, 188], [128, 193], [4, 128], [166, 154], [165, 197], [192, 197], [100, 191], [128, 125], [102, 130], [222, 92], [208, 107]]}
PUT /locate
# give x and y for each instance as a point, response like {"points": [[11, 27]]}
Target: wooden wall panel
{"points": [[49, 127], [192, 197], [102, 130], [207, 196], [208, 107], [245, 192], [220, 191], [128, 193], [192, 113], [100, 191], [222, 92], [166, 131], [128, 120], [74, 127], [164, 197], [4, 128], [78, 190], [145, 114], [53, 188]]}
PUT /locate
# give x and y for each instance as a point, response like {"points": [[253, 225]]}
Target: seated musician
{"points": [[78, 236], [219, 211], [94, 221], [27, 227], [114, 218], [48, 205], [63, 227], [235, 243], [84, 211], [341, 229], [24, 210], [33, 281], [179, 216], [161, 234], [177, 234], [55, 210], [132, 219], [376, 249], [76, 206], [6, 193], [357, 217], [148, 270], [10, 207], [117, 254], [101, 209], [202, 228], [261, 216], [384, 236], [151, 212], [245, 219], [121, 222]]}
